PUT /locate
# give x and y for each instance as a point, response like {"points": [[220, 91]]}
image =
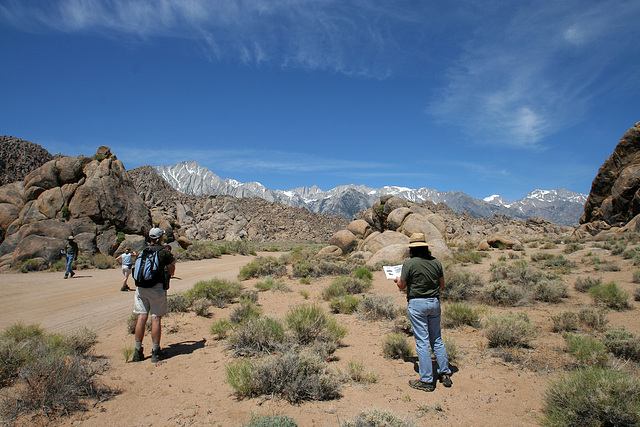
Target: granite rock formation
{"points": [[19, 157]]}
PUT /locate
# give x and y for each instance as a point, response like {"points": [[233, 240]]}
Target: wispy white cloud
{"points": [[532, 72]]}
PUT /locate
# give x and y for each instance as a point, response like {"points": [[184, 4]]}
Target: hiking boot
{"points": [[125, 288], [138, 356], [157, 355], [73, 273], [445, 379], [421, 385], [66, 276]]}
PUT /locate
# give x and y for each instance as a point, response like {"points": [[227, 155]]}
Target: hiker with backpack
{"points": [[154, 267]]}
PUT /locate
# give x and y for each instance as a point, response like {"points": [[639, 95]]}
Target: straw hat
{"points": [[416, 240]]}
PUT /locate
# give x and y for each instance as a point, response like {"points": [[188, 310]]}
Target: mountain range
{"points": [[561, 206]]}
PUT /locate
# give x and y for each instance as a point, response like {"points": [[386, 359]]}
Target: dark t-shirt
{"points": [[165, 257], [422, 277], [71, 248]]}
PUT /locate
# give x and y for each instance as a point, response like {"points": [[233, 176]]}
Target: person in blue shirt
{"points": [[126, 259]]}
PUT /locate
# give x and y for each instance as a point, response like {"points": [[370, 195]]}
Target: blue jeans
{"points": [[69, 261], [424, 314]]}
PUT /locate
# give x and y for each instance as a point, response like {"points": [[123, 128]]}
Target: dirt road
{"points": [[92, 298]]}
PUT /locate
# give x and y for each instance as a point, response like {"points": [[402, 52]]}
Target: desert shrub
{"points": [[302, 268], [618, 248], [201, 307], [636, 294], [452, 348], [541, 256], [310, 323], [594, 318], [249, 295], [610, 295], [378, 417], [583, 284], [458, 314], [461, 283], [270, 284], [31, 265], [565, 321], [244, 311], [263, 266], [131, 324], [220, 329], [218, 291], [586, 350], [81, 341], [630, 253], [636, 276], [258, 336], [278, 420], [402, 325], [468, 257], [103, 261], [396, 346], [503, 293], [623, 343], [592, 397], [355, 371], [509, 330], [376, 307], [346, 304], [549, 245], [518, 273], [178, 303], [240, 247], [550, 290], [198, 250], [363, 273], [293, 376], [345, 286], [59, 265], [572, 247]]}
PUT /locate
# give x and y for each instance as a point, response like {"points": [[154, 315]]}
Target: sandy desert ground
{"points": [[189, 387]]}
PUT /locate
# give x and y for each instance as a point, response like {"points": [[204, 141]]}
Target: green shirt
{"points": [[71, 248], [422, 277], [165, 257]]}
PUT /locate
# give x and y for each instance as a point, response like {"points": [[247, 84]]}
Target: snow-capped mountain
{"points": [[560, 206]]}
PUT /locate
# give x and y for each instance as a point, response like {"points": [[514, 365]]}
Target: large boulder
{"points": [[393, 255], [416, 223], [382, 240], [439, 249], [501, 241], [345, 240], [397, 217], [360, 228]]}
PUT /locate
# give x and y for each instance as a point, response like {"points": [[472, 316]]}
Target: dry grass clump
{"points": [[47, 374], [593, 318], [201, 307], [458, 314], [509, 330], [462, 284], [572, 247], [346, 304], [355, 371], [263, 266], [278, 420], [197, 251], [103, 261], [402, 325], [220, 329], [504, 293], [592, 397], [219, 291], [245, 311], [344, 285], [378, 417], [586, 350], [178, 303], [583, 284], [465, 256], [262, 335], [610, 295], [377, 307], [271, 284], [565, 321], [310, 323], [550, 290], [396, 346], [623, 343]]}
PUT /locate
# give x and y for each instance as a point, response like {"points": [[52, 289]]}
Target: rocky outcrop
{"points": [[614, 199], [92, 199], [19, 157], [215, 217]]}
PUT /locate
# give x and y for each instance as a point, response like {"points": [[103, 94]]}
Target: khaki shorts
{"points": [[151, 301]]}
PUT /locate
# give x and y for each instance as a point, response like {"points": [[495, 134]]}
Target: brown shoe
{"points": [[421, 385], [445, 379]]}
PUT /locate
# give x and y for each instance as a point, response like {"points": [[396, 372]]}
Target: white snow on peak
{"points": [[491, 198]]}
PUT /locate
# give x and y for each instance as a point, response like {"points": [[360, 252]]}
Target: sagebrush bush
{"points": [[636, 294], [293, 376], [201, 307], [198, 250], [309, 323], [610, 295], [346, 304], [363, 273], [258, 336], [178, 303], [218, 291], [504, 293], [550, 290], [220, 329], [396, 346], [376, 307], [592, 397], [458, 314], [583, 284], [278, 420], [378, 417], [565, 321], [518, 273], [345, 286], [594, 318], [623, 343], [270, 284], [636, 276], [572, 247], [461, 285], [402, 324], [244, 311], [452, 348], [587, 351], [31, 265], [468, 257], [103, 261], [263, 266], [509, 330]]}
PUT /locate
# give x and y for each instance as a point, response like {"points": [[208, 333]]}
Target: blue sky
{"points": [[491, 97]]}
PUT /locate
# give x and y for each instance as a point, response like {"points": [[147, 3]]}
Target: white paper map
{"points": [[392, 271]]}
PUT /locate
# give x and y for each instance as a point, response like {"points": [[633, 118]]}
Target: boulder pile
{"points": [[91, 198]]}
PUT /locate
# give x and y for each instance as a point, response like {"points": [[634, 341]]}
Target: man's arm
{"points": [[441, 283], [400, 283]]}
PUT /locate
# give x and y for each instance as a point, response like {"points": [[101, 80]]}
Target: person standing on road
{"points": [[153, 300], [71, 252], [126, 259], [423, 278]]}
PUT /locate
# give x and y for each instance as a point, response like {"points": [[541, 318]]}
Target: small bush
{"points": [[263, 266], [586, 350], [258, 336], [468, 257], [583, 284], [378, 417], [221, 328], [636, 294], [376, 307], [346, 304], [458, 314], [452, 348], [355, 371], [592, 397], [178, 303], [565, 321], [593, 318], [31, 265], [550, 290], [246, 310], [103, 261], [310, 323], [610, 295], [503, 293], [636, 276], [363, 273], [218, 291], [249, 295], [345, 286], [509, 330], [402, 324], [623, 343], [396, 346], [200, 250], [201, 307], [461, 283], [572, 247], [271, 421], [270, 284]]}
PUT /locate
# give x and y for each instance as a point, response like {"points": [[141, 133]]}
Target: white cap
{"points": [[156, 233]]}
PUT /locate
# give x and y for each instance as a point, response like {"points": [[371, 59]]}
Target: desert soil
{"points": [[189, 387]]}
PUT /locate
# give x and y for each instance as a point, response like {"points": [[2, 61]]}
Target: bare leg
{"points": [[156, 328], [140, 324]]}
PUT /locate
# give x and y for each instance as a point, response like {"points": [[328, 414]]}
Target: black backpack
{"points": [[148, 272]]}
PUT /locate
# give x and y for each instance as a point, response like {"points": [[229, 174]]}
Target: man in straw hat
{"points": [[423, 278], [71, 251]]}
